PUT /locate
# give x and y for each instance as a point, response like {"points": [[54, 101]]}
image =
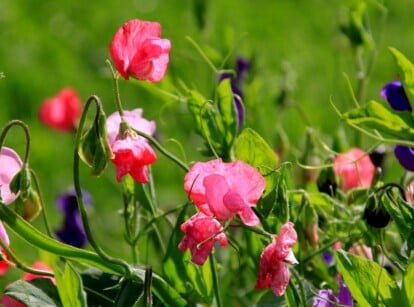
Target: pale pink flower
{"points": [[3, 236], [223, 189], [132, 153], [273, 268], [409, 193], [10, 165], [201, 232], [354, 168], [362, 250], [138, 51]]}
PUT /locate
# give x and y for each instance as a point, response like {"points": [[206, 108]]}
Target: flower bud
{"points": [[326, 181], [310, 225], [32, 206], [94, 148], [375, 213]]}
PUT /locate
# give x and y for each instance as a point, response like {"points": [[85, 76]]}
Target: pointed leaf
{"points": [[375, 115], [39, 292], [408, 282], [227, 111], [369, 283], [406, 69], [253, 149], [70, 287]]}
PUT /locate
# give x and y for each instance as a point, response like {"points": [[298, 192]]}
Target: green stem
{"points": [[26, 132], [203, 55], [42, 202], [116, 90], [39, 240], [20, 265], [215, 280], [81, 204], [164, 151]]}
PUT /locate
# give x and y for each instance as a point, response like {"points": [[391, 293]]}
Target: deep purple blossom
{"points": [[72, 231], [394, 93]]}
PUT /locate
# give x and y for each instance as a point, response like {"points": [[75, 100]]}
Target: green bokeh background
{"points": [[48, 45]]}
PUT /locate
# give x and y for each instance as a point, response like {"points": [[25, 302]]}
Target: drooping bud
{"points": [[375, 213], [32, 206], [310, 225], [326, 181], [94, 148]]}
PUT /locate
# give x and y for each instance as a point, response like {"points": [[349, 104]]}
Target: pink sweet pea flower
{"points": [[354, 168], [62, 111], [273, 270], [132, 153], [138, 51], [223, 189], [10, 165], [4, 266], [201, 231], [8, 301]]}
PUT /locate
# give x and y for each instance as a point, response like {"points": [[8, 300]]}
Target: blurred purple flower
{"points": [[394, 93], [72, 231], [242, 68], [326, 297]]}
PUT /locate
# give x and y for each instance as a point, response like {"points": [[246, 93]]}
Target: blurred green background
{"points": [[48, 45]]}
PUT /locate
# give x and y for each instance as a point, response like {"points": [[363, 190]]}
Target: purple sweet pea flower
{"points": [[326, 297], [72, 231], [394, 93]]}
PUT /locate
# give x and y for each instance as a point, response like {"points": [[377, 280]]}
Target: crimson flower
{"points": [[4, 266], [201, 231], [354, 168], [273, 270], [138, 51], [223, 190], [62, 111], [132, 153]]}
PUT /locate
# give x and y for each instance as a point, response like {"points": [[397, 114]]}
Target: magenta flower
{"points": [[62, 111], [10, 165], [201, 231], [132, 153], [354, 168], [223, 189], [138, 51], [273, 269]]}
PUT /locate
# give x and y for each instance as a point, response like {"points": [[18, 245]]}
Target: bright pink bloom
{"points": [[132, 153], [273, 270], [10, 165], [354, 168], [39, 265], [138, 51], [8, 301], [223, 189], [201, 231], [62, 111]]}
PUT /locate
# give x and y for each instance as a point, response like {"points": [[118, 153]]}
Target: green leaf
{"points": [[402, 213], [227, 110], [375, 115], [39, 292], [251, 148], [369, 283], [70, 287], [128, 294], [187, 278], [101, 287], [408, 282], [406, 69]]}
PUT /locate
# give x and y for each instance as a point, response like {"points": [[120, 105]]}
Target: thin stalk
{"points": [[42, 202], [215, 281], [116, 90], [79, 196]]}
